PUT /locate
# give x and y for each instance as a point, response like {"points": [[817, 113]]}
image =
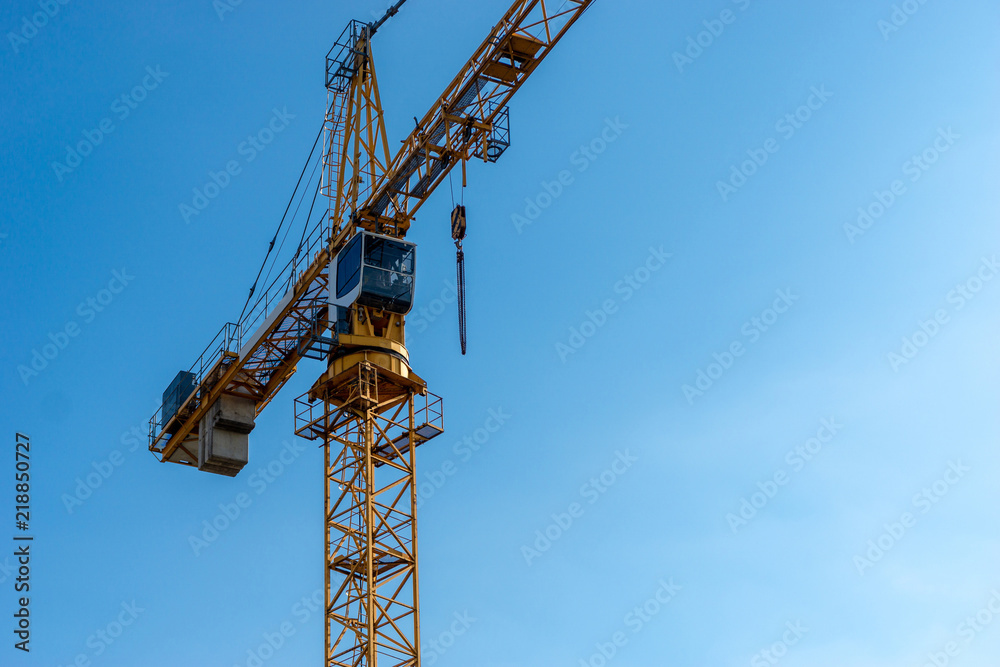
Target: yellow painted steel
{"points": [[369, 409]]}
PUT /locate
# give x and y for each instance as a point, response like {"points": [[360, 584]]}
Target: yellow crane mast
{"points": [[343, 298]]}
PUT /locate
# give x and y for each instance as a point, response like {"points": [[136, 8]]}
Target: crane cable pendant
{"points": [[458, 226]]}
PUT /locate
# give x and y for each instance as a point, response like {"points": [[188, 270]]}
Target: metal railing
{"points": [[342, 59], [230, 339], [313, 419], [314, 243]]}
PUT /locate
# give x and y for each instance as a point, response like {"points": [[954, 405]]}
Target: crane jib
{"points": [[478, 94]]}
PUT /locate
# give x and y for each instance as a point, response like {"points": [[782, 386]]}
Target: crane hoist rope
{"points": [[291, 222], [270, 247]]}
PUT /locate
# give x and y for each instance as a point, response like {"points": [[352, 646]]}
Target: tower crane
{"points": [[343, 299]]}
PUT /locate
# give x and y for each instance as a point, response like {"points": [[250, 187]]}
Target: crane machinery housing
{"points": [[343, 299]]}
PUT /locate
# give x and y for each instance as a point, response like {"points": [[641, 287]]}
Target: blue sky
{"points": [[902, 449]]}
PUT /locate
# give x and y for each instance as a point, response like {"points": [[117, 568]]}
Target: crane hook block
{"points": [[458, 224]]}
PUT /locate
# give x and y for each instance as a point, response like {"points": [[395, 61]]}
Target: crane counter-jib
{"points": [[255, 369]]}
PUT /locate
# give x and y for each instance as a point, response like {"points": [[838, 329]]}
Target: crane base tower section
{"points": [[371, 420]]}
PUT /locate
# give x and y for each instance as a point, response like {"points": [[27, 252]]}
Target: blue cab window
{"points": [[349, 266]]}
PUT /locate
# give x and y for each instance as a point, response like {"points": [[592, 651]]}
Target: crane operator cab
{"points": [[375, 271]]}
